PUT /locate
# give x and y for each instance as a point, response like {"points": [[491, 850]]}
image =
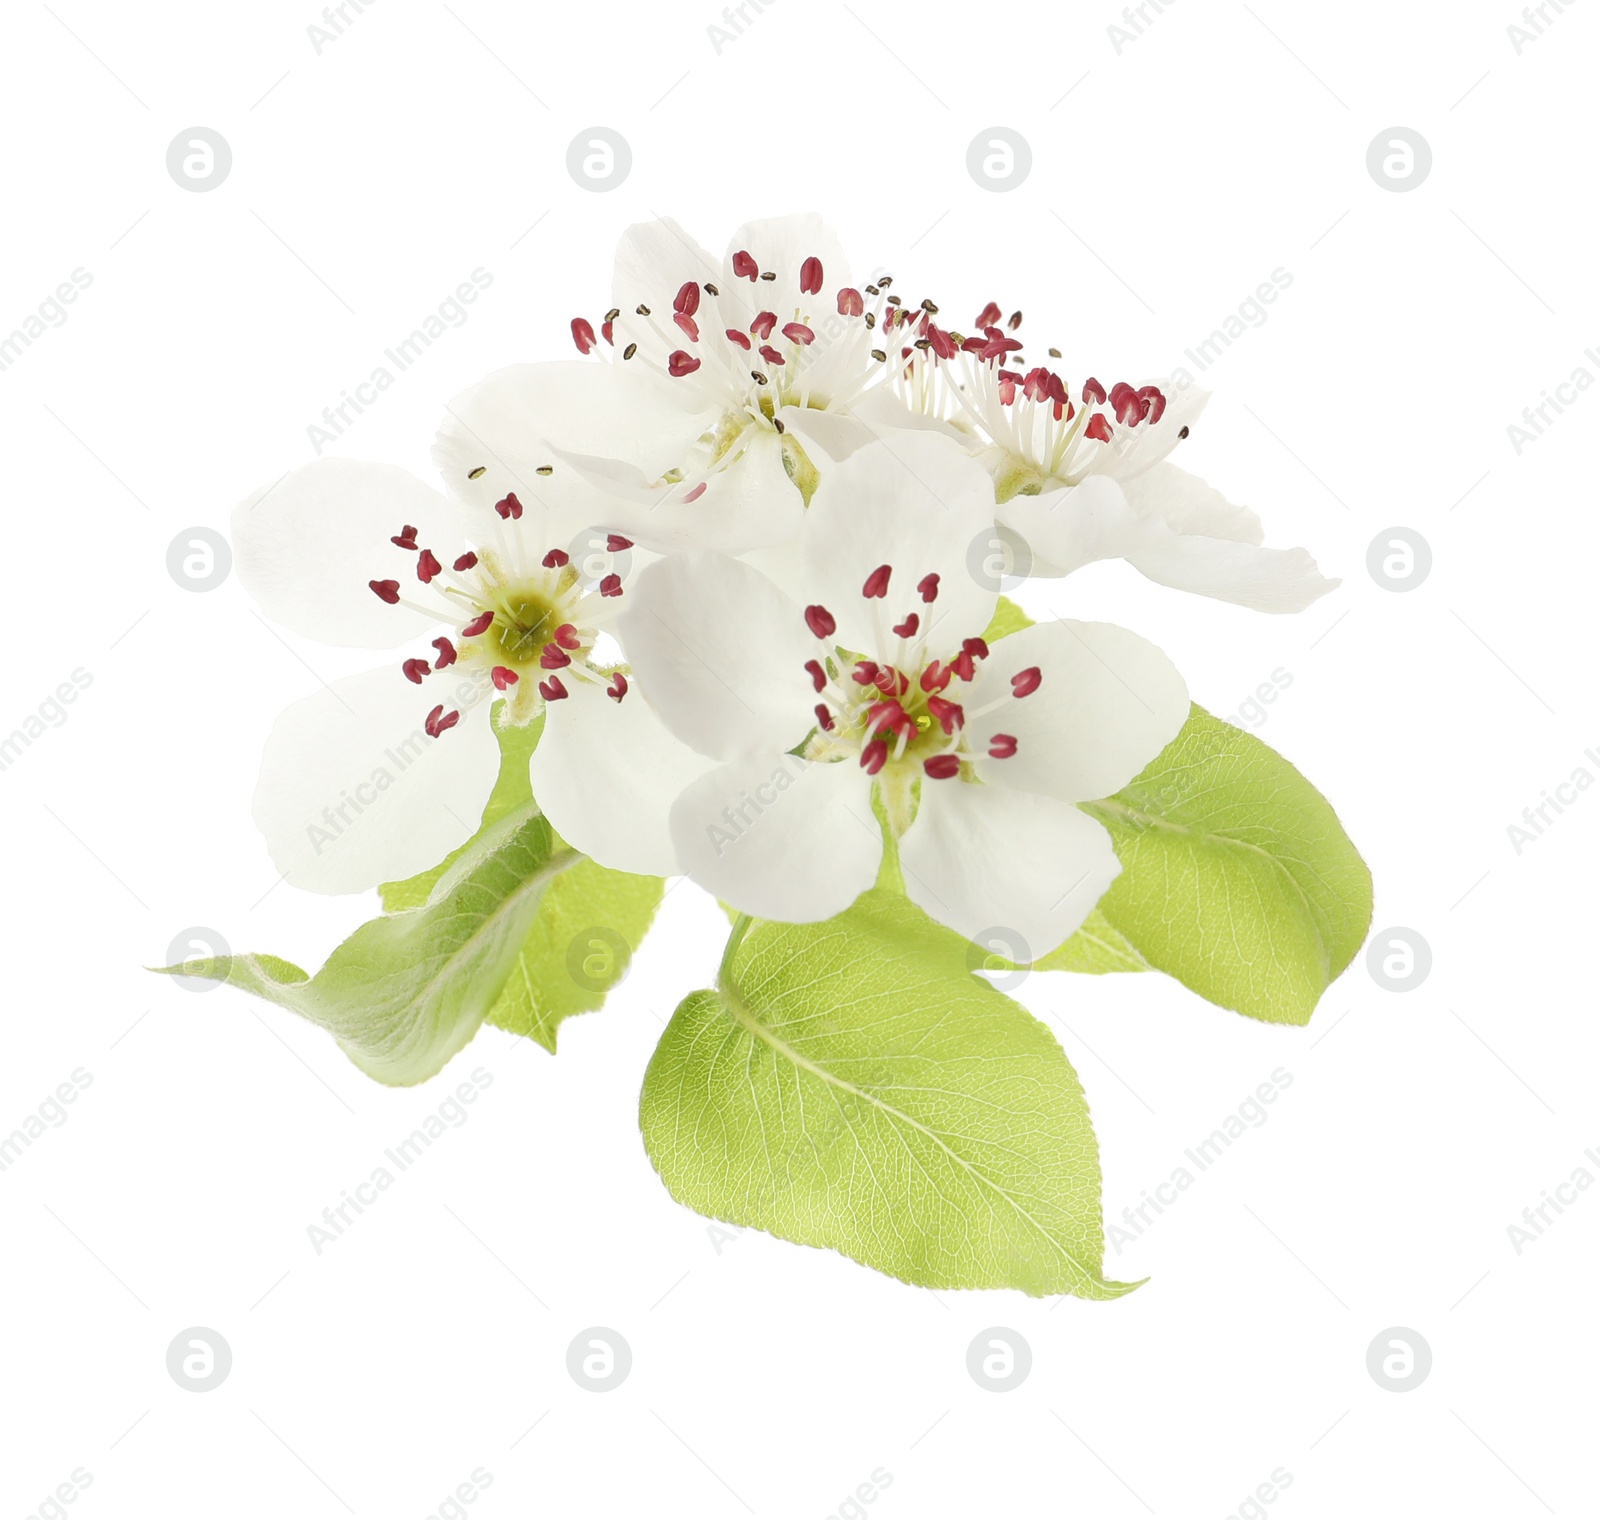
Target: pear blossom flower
{"points": [[714, 393], [876, 696], [1083, 474], [380, 775]]}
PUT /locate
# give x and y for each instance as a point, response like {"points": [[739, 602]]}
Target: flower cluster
{"points": [[725, 559]]}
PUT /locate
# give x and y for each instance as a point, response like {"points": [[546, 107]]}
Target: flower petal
{"points": [[353, 792], [1213, 547], [606, 774], [780, 245], [919, 504], [750, 502], [721, 653], [1107, 702], [779, 837], [308, 546], [985, 858], [500, 433], [1073, 526]]}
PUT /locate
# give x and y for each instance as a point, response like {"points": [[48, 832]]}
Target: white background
{"points": [[1169, 178]]}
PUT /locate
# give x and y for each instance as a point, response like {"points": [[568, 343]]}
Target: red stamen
{"points": [[415, 670], [618, 688], [503, 677], [582, 335], [509, 507], [733, 335], [744, 266], [697, 493], [616, 543], [811, 276], [427, 566], [943, 767], [687, 301], [907, 629], [434, 725], [687, 325], [876, 584], [1093, 392], [874, 757], [406, 538], [819, 677], [447, 653], [554, 657], [976, 648], [477, 625], [386, 591], [951, 715], [865, 673], [764, 323], [555, 559], [567, 637], [936, 677], [1003, 746], [771, 355], [798, 332], [820, 621], [824, 717], [465, 561], [680, 364], [850, 303], [989, 316], [552, 690], [611, 585], [1098, 429], [1025, 682], [929, 587], [963, 666]]}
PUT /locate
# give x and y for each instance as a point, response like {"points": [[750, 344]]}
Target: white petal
{"points": [[1212, 547], [654, 261], [353, 792], [606, 774], [781, 245], [527, 417], [749, 503], [779, 837], [1108, 702], [721, 653], [308, 546], [1076, 525], [1188, 504], [985, 858], [919, 504], [1265, 580]]}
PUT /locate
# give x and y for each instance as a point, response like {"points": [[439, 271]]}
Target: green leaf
{"points": [[852, 1085], [1097, 948], [406, 991], [590, 923], [1237, 878], [511, 793], [1008, 618]]}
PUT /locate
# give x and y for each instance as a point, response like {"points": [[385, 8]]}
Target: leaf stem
{"points": [[725, 971]]}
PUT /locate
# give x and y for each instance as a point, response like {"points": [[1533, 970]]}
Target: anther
{"points": [[877, 584], [465, 561], [820, 621], [611, 585], [1025, 682], [555, 559], [427, 566], [1003, 746], [552, 690], [477, 625], [509, 507], [582, 335], [447, 653], [386, 591], [943, 767], [503, 676], [415, 670]]}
